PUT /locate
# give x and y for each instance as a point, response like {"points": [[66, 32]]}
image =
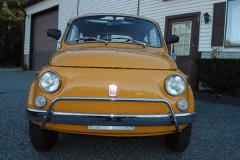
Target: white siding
{"points": [[158, 10], [68, 10], [108, 6], [154, 9]]}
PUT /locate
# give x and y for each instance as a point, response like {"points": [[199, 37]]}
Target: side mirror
{"points": [[54, 33], [172, 39]]}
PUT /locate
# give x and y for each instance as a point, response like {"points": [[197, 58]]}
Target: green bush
{"points": [[11, 32], [221, 75]]}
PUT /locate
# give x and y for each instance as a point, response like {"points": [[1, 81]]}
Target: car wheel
{"points": [[178, 142], [42, 140]]}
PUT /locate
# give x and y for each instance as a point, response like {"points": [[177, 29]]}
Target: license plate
{"points": [[111, 127]]}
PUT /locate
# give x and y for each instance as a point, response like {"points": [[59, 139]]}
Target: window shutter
{"points": [[218, 23]]}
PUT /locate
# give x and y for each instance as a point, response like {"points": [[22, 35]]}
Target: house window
{"points": [[232, 37], [183, 30]]}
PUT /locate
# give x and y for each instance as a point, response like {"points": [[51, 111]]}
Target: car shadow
{"points": [[102, 146]]}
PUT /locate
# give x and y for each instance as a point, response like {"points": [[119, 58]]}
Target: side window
{"points": [[153, 37], [74, 34], [146, 39]]}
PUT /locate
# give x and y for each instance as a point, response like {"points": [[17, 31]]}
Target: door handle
{"points": [[192, 45]]}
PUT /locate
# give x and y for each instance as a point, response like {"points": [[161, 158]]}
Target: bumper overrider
{"points": [[52, 116]]}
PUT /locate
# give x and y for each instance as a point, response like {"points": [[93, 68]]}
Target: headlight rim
{"points": [[60, 81], [169, 78]]}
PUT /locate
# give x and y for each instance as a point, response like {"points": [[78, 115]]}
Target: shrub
{"points": [[11, 32], [221, 75]]}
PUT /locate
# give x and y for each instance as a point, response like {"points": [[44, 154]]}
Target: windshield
{"points": [[113, 29]]}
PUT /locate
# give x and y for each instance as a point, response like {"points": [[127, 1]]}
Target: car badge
{"points": [[112, 90]]}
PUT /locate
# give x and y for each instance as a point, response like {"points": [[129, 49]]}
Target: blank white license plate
{"points": [[111, 127]]}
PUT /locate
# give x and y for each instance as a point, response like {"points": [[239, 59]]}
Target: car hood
{"points": [[112, 57]]}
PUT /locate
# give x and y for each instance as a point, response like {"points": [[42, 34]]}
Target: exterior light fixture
{"points": [[206, 17]]}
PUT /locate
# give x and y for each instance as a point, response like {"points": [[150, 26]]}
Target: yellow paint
{"points": [[112, 57]]}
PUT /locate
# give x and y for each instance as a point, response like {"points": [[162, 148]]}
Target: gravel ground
{"points": [[215, 132]]}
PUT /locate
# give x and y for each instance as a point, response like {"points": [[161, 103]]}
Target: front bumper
{"points": [[110, 119]]}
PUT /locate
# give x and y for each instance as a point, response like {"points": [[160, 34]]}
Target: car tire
{"points": [[178, 142], [42, 140]]}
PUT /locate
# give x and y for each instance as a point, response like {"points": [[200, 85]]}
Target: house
{"points": [[201, 25]]}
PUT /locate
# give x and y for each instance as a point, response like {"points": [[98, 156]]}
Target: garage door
{"points": [[43, 46]]}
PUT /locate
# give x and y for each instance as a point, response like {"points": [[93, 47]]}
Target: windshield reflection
{"points": [[113, 29]]}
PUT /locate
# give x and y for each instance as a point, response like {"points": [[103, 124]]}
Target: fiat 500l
{"points": [[112, 76]]}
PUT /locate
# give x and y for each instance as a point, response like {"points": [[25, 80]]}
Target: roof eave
{"points": [[29, 3]]}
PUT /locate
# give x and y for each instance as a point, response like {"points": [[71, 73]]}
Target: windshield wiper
{"points": [[90, 38], [130, 39], [93, 38]]}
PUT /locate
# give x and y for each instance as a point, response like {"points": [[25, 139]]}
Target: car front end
{"points": [[111, 84]]}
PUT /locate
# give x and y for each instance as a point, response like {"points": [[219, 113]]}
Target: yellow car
{"points": [[112, 76]]}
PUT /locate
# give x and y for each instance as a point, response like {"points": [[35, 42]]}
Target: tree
{"points": [[11, 31]]}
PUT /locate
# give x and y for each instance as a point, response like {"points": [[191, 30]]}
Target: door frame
{"points": [[186, 15]]}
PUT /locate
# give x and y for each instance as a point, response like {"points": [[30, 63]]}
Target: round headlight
{"points": [[49, 81], [175, 85]]}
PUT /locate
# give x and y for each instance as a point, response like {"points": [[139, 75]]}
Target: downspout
{"points": [[138, 7], [23, 43]]}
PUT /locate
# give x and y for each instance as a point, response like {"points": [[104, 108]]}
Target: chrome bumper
{"points": [[110, 119]]}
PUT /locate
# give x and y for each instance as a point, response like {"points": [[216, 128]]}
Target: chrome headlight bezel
{"points": [[58, 78], [180, 92]]}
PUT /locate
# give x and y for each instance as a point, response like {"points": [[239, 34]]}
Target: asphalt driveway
{"points": [[216, 132]]}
